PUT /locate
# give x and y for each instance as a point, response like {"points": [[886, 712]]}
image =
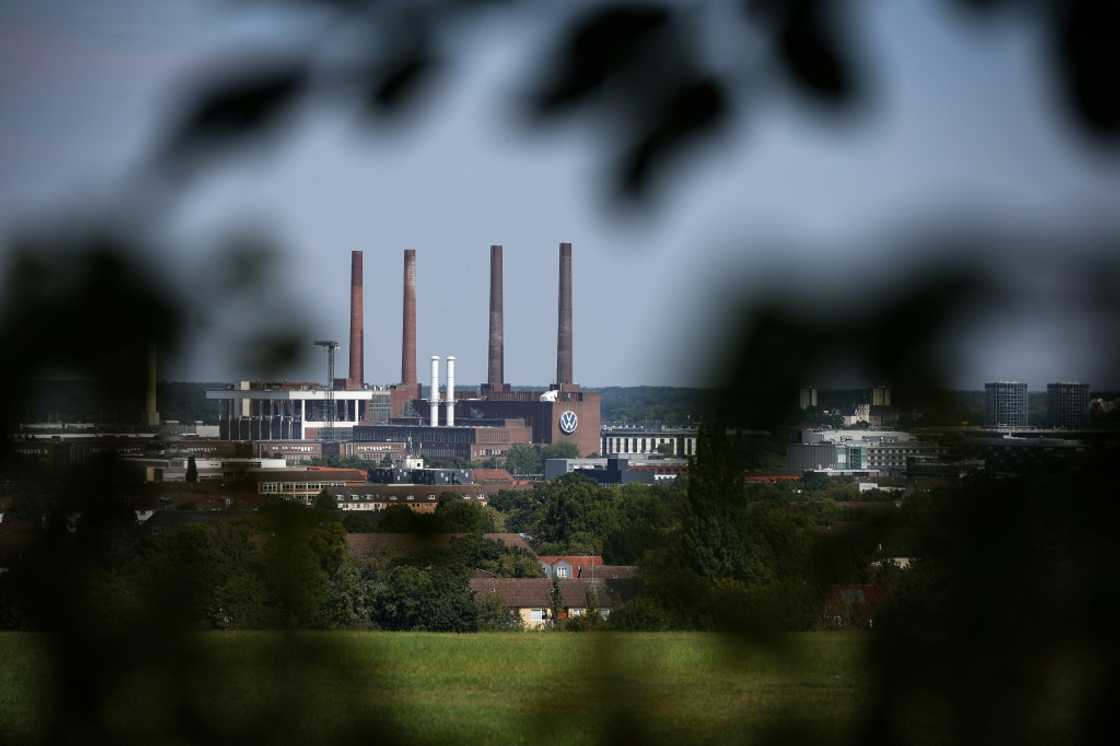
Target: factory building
{"points": [[443, 426], [284, 411], [465, 442], [639, 442], [564, 412]]}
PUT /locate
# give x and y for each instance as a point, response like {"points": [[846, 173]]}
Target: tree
{"points": [[562, 449], [524, 459], [435, 599], [386, 461], [462, 516], [326, 501], [713, 510], [192, 470]]}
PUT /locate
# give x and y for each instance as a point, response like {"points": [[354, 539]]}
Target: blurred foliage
{"points": [[1013, 576]]}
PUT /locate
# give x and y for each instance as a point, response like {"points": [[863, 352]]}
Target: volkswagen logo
{"points": [[568, 422]]}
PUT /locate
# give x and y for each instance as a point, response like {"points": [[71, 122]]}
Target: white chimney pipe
{"points": [[433, 400], [451, 391]]}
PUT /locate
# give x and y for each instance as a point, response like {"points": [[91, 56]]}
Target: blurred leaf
{"points": [[1087, 50], [696, 108], [597, 45], [814, 57], [240, 106], [398, 82]]}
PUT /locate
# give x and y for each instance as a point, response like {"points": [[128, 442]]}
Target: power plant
{"points": [[483, 424]]}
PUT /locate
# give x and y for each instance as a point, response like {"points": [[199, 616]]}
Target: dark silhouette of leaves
{"points": [[697, 108], [397, 82], [598, 45], [807, 42], [1087, 50], [240, 107]]}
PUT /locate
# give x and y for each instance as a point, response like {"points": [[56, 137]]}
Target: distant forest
{"points": [[78, 401]]}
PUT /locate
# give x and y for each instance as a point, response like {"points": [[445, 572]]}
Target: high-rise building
{"points": [[880, 396], [1067, 404], [808, 397], [1005, 404]]}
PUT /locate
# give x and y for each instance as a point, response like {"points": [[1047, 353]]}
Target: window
{"points": [[562, 571], [538, 615]]}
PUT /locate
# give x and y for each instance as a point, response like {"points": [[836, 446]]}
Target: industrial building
{"points": [[487, 423], [621, 441], [1006, 404], [612, 470], [364, 417], [1067, 404]]}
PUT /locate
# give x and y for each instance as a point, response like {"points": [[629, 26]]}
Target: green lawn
{"points": [[475, 689]]}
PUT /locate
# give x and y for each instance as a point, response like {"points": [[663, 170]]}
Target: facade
{"points": [[639, 442], [612, 470], [1067, 404], [281, 411], [532, 599], [1005, 404], [174, 469], [564, 414], [466, 442], [859, 451], [304, 486], [421, 498]]}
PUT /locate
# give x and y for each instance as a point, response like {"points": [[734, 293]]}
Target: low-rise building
{"points": [[422, 498], [537, 603], [613, 470]]}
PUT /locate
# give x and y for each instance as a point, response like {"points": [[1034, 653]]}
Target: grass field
{"points": [[474, 689]]}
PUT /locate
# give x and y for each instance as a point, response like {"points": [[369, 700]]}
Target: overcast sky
{"points": [[963, 121]]}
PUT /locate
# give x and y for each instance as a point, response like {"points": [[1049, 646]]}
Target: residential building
{"points": [[535, 602], [570, 565]]}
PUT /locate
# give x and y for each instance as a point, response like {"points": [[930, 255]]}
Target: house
{"points": [[569, 565], [536, 603], [848, 606]]}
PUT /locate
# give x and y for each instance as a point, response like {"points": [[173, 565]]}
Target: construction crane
{"points": [[329, 346]]}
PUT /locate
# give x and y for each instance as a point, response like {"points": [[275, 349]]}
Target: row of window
{"points": [[612, 445]]}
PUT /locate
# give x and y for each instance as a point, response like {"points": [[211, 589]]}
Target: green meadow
{"points": [[462, 689]]}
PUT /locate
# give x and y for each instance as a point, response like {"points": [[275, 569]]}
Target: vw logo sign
{"points": [[568, 422]]}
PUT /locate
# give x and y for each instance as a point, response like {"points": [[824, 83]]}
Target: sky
{"points": [[963, 123]]}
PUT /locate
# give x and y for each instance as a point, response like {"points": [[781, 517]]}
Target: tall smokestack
{"points": [[450, 418], [564, 330], [433, 400], [496, 370], [356, 377], [408, 336]]}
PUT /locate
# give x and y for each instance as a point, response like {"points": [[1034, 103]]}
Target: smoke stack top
{"points": [[356, 376], [408, 336], [564, 327], [496, 370]]}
